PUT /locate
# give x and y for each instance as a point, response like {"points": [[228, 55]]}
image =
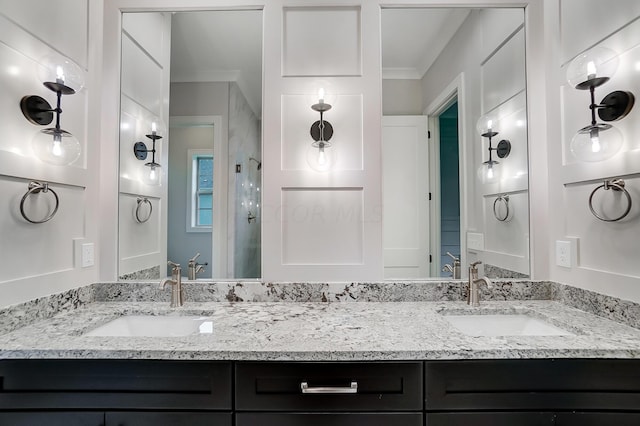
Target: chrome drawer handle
{"points": [[304, 386]]}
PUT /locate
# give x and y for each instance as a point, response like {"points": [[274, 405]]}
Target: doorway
{"points": [[449, 186]]}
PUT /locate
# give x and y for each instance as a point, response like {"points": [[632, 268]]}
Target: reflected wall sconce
{"points": [[321, 130], [488, 172], [54, 145], [598, 141], [140, 150]]}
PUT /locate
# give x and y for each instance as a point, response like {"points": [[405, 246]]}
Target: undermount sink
{"points": [[504, 325], [154, 326]]}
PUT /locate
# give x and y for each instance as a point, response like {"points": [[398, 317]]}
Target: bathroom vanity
{"points": [[440, 393], [262, 356]]}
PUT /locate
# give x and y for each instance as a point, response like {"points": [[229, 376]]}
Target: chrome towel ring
{"points": [[504, 200], [140, 201], [36, 188], [616, 185]]}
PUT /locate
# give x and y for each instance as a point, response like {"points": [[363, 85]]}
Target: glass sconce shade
{"points": [[56, 146], [488, 125], [592, 68], [62, 72], [489, 172], [151, 176], [596, 143]]}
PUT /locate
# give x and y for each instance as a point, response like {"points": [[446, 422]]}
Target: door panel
{"points": [[405, 169]]}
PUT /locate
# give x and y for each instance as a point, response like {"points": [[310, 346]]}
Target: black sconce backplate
{"points": [[140, 150], [37, 110], [315, 130], [616, 105], [503, 149]]}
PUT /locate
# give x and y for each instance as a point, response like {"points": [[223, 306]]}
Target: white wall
{"points": [[41, 259], [604, 254], [144, 95], [401, 97], [487, 52]]}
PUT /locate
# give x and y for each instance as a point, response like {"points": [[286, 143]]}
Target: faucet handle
{"points": [[173, 264], [193, 259], [475, 264], [455, 259]]}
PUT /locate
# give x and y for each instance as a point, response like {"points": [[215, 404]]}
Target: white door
{"points": [[405, 169]]}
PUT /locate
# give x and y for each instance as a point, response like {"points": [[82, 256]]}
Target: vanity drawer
{"points": [[119, 384], [330, 386], [329, 419], [565, 384]]}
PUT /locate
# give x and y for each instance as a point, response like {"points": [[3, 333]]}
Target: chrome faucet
{"points": [[453, 268], [473, 297], [175, 281], [194, 267]]}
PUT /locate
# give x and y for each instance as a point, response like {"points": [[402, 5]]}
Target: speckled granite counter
{"points": [[317, 331]]}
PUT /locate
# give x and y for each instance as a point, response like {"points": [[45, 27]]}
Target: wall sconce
{"points": [[598, 141], [54, 145], [488, 172], [140, 150], [321, 131]]}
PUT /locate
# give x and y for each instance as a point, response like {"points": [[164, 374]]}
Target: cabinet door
{"points": [[598, 419], [490, 419], [52, 419], [328, 419], [167, 419]]}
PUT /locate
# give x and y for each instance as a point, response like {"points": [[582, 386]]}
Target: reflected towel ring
{"points": [[140, 201], [36, 188], [504, 199], [616, 185]]}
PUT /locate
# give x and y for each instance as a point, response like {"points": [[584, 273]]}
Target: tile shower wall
{"points": [[245, 143]]}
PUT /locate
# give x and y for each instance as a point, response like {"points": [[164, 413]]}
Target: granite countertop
{"points": [[316, 331]]}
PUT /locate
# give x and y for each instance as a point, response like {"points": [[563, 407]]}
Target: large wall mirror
{"points": [[190, 144], [454, 122]]}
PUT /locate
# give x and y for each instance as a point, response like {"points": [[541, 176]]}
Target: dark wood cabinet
{"points": [[598, 419], [107, 384], [329, 419], [51, 419], [168, 419], [376, 386], [490, 419]]}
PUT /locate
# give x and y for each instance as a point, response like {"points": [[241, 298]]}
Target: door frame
{"points": [[454, 91]]}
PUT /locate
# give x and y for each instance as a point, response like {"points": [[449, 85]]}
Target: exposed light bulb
{"points": [[57, 145], [321, 95], [490, 172], [489, 125], [153, 175], [154, 128], [59, 75], [322, 159], [591, 70], [595, 140]]}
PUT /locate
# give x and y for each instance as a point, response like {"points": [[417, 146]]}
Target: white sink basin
{"points": [[504, 325], [154, 326]]}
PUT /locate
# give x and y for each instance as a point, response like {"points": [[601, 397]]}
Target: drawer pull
{"points": [[304, 386]]}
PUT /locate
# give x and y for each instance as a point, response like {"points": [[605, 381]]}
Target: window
{"points": [[201, 191]]}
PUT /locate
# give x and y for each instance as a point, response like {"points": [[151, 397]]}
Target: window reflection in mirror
{"points": [[442, 70], [204, 93]]}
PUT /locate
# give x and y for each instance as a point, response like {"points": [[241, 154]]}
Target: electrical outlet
{"points": [[563, 253], [475, 241], [87, 255]]}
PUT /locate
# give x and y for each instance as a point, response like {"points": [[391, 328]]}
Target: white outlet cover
{"points": [[563, 254], [87, 255]]}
